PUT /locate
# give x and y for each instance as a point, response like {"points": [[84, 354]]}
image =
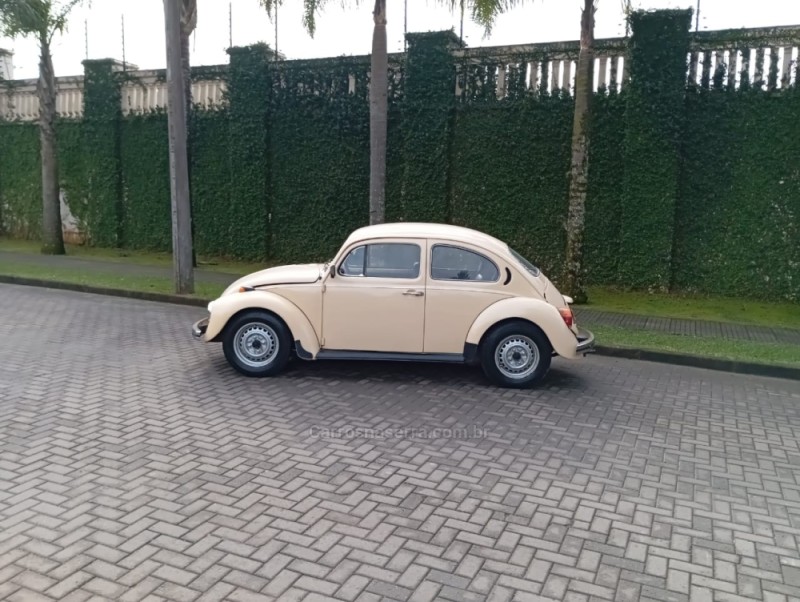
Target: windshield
{"points": [[525, 263]]}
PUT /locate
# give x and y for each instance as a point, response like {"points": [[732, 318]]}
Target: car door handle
{"points": [[414, 293]]}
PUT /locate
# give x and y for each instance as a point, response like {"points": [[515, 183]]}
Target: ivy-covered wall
{"points": [[103, 161], [738, 219], [603, 208], [210, 183], [144, 157], [654, 115], [690, 189], [509, 166], [20, 180], [320, 175]]}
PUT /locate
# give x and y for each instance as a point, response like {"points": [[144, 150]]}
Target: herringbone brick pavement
{"points": [[136, 465]]}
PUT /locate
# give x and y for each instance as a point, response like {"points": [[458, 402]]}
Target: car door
{"points": [[462, 282], [375, 300]]}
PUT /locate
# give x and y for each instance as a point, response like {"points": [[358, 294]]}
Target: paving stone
{"points": [[136, 465]]}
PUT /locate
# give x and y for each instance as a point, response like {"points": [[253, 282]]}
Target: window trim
{"points": [[346, 255], [462, 248], [366, 246]]}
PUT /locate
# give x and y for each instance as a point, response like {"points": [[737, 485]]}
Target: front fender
{"points": [[224, 308], [540, 313]]}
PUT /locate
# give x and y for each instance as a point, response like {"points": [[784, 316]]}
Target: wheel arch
{"points": [[227, 308], [243, 311], [535, 312], [505, 321]]}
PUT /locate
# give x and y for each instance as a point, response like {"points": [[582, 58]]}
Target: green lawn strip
{"points": [[674, 305], [696, 307], [148, 284], [744, 351], [134, 257]]}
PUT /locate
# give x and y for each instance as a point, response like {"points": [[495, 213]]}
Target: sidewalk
{"points": [[701, 328], [104, 266], [585, 315]]}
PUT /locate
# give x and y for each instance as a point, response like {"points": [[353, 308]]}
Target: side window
{"points": [[353, 264], [382, 260], [455, 263]]}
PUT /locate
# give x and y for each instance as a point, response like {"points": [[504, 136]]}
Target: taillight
{"points": [[566, 313]]}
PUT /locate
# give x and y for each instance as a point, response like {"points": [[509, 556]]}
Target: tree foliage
{"points": [[483, 12], [41, 18]]}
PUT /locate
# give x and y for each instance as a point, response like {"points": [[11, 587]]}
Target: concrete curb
{"points": [[101, 290], [698, 361], [664, 357]]}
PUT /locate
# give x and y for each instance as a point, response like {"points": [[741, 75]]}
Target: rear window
{"points": [[525, 263]]}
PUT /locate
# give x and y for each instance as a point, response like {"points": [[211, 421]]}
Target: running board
{"points": [[332, 354], [470, 355]]}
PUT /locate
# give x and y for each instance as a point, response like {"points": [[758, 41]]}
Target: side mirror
{"points": [[332, 270]]}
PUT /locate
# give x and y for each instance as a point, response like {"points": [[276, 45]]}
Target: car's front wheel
{"points": [[256, 343], [516, 355]]}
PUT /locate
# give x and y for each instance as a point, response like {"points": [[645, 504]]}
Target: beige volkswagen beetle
{"points": [[403, 291]]}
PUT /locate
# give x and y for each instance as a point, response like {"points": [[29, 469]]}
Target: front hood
{"points": [[286, 274]]}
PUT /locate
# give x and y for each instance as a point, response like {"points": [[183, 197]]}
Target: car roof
{"points": [[429, 230]]}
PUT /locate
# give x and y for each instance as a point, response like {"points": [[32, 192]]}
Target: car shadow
{"points": [[397, 395], [404, 373]]}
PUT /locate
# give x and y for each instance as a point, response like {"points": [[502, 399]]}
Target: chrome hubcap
{"points": [[256, 344], [516, 357]]}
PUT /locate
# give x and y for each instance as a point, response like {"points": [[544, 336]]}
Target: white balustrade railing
{"points": [[765, 58]]}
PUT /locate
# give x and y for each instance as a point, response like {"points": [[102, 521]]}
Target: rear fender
{"points": [[536, 311], [227, 306]]}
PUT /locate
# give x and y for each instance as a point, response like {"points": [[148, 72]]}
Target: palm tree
{"points": [[43, 19], [378, 98], [483, 12], [378, 115], [579, 165], [188, 25]]}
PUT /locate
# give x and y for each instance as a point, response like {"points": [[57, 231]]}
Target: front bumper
{"points": [[199, 328], [585, 342]]}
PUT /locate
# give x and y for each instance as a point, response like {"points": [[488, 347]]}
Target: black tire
{"points": [[256, 343], [516, 355]]}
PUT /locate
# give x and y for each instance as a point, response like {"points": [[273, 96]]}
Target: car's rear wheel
{"points": [[516, 355], [256, 343]]}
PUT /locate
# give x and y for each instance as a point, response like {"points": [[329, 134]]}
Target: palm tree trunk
{"points": [[378, 116], [52, 234], [188, 24], [187, 71], [579, 168], [179, 180]]}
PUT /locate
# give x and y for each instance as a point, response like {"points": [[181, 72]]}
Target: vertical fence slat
{"points": [[533, 86], [744, 68], [786, 66], [733, 67], [566, 66], [772, 74], [797, 68], [501, 81], [626, 71], [706, 73], [601, 72], [758, 78], [719, 69], [694, 57], [543, 89], [612, 76]]}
